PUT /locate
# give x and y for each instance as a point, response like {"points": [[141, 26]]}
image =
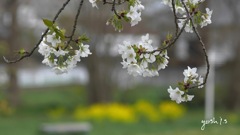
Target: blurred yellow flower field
{"points": [[141, 110]]}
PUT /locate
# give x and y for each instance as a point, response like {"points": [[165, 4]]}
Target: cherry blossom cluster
{"points": [[135, 12], [179, 94], [132, 14], [198, 17], [57, 56], [140, 59]]}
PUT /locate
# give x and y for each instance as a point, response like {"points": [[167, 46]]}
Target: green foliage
{"points": [[58, 103], [5, 108], [53, 28], [83, 38], [22, 52], [131, 2], [48, 23], [117, 23]]}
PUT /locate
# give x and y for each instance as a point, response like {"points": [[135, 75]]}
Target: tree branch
{"points": [[119, 2], [41, 38], [114, 9], [75, 24], [202, 44], [175, 17]]}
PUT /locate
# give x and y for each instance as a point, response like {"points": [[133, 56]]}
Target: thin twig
{"points": [[41, 38], [119, 3], [114, 9], [177, 32], [202, 44], [75, 24], [170, 44], [175, 17]]}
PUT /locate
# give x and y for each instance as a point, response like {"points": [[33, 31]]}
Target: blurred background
{"points": [[99, 92]]}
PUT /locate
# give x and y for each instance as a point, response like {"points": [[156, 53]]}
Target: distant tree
{"points": [[13, 92]]}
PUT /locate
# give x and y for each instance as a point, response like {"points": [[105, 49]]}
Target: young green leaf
{"points": [[22, 52], [83, 38], [48, 23]]}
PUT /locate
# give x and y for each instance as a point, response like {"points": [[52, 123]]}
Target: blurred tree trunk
{"points": [[13, 88], [100, 84], [100, 64]]}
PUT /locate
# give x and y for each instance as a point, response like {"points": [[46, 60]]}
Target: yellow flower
{"points": [[113, 112], [171, 110], [120, 113], [97, 111], [147, 110]]}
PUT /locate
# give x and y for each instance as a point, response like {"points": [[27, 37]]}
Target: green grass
{"points": [[186, 126], [28, 119]]}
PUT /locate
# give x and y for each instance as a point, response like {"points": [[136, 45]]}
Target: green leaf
{"points": [[22, 52], [48, 23], [83, 38], [117, 23], [180, 83], [59, 33], [131, 2], [169, 36]]}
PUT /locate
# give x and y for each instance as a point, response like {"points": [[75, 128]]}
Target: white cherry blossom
{"points": [[53, 40], [175, 94], [134, 69], [206, 18], [60, 70], [188, 26], [188, 98], [57, 57], [200, 81], [146, 61], [94, 3], [49, 63], [60, 52], [190, 73], [135, 12], [44, 49], [134, 15], [84, 50]]}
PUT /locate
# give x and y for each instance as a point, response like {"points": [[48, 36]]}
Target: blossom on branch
{"points": [[206, 18], [190, 73], [190, 79], [58, 55], [175, 94], [135, 13], [139, 58]]}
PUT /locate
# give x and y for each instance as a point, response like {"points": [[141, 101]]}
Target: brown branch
{"points": [[177, 32], [75, 24], [114, 9], [175, 17], [41, 38], [170, 44], [119, 2], [202, 44]]}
